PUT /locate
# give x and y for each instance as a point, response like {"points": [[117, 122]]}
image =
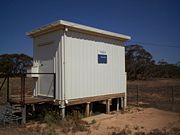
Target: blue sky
{"points": [[155, 23]]}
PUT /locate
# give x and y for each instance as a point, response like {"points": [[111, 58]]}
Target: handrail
{"points": [[23, 76], [3, 82]]}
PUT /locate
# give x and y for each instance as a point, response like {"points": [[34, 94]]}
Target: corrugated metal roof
{"points": [[61, 24]]}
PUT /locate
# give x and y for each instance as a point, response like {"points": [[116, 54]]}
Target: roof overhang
{"points": [[61, 24]]}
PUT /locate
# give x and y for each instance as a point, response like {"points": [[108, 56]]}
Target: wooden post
{"points": [[24, 114], [87, 113], [91, 107], [108, 106], [117, 104], [169, 98], [124, 104], [137, 96], [172, 94], [63, 111], [8, 95]]}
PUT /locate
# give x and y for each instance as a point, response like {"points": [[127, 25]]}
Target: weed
{"points": [[155, 132], [136, 127], [125, 131], [96, 127], [79, 125], [122, 132], [36, 130], [73, 124], [66, 125], [93, 121], [51, 116], [48, 131], [139, 133], [175, 131]]}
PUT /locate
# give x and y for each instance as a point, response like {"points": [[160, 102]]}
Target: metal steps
{"points": [[8, 114], [17, 108]]}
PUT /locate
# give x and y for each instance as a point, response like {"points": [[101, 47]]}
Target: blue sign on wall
{"points": [[102, 58]]}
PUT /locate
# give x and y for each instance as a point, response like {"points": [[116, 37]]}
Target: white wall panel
{"points": [[46, 52], [84, 77]]}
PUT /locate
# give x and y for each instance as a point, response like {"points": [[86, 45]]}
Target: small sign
{"points": [[102, 58], [102, 52]]}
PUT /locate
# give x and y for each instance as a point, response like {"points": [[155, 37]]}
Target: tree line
{"points": [[15, 63], [140, 64]]}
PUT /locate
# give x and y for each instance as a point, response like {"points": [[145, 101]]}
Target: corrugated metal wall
{"points": [[84, 77], [46, 55]]}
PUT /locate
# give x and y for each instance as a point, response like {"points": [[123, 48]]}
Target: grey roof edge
{"points": [[78, 26]]}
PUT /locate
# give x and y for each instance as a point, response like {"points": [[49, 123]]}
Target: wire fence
{"points": [[163, 97], [166, 96], [15, 88], [21, 85]]}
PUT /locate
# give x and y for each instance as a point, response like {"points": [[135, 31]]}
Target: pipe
{"points": [[63, 96]]}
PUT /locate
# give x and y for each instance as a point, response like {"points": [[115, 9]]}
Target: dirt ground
{"points": [[157, 82], [133, 120], [137, 119], [158, 93]]}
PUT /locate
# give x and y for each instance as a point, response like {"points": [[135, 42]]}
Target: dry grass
{"points": [[127, 131], [155, 93], [120, 124], [35, 130], [15, 87], [159, 82]]}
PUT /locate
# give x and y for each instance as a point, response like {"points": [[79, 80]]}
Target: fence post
{"points": [[23, 76], [108, 106], [22, 89], [8, 88], [137, 94], [168, 93], [172, 94], [117, 106]]}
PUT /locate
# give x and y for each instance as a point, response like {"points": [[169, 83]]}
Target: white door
{"points": [[46, 81]]}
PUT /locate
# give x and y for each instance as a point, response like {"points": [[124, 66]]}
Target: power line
{"points": [[155, 44]]}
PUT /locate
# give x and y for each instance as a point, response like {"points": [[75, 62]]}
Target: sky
{"points": [[154, 24]]}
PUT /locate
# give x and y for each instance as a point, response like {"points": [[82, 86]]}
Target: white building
{"points": [[89, 63]]}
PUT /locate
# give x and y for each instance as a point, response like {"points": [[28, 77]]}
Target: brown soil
{"points": [[137, 119], [133, 120], [158, 82]]}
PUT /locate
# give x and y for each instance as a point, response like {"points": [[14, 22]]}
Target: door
{"points": [[46, 57]]}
